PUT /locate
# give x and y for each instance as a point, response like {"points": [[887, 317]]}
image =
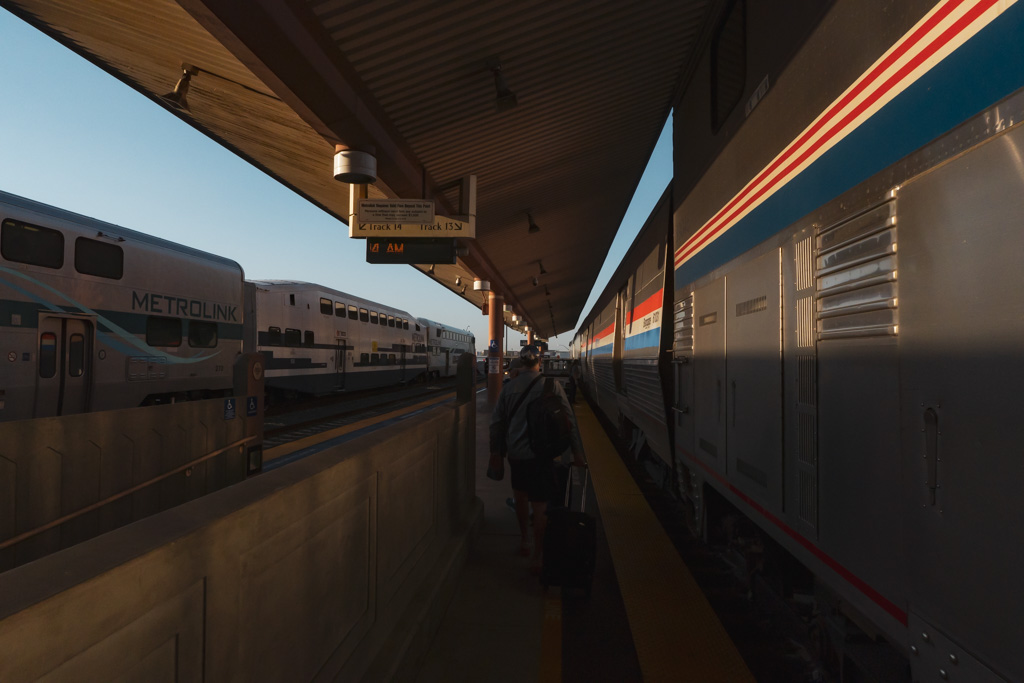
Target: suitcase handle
{"points": [[568, 487]]}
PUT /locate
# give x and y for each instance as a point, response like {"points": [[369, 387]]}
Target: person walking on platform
{"points": [[570, 385], [533, 476]]}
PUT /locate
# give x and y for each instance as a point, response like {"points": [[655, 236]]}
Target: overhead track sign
{"points": [[410, 250], [441, 227], [395, 211]]}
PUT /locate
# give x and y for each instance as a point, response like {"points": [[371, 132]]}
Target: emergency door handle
{"points": [[931, 452], [718, 400], [734, 403]]}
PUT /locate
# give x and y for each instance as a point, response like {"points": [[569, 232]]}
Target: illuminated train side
{"points": [[839, 355], [96, 317]]}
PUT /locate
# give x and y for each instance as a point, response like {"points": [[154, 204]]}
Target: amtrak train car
{"points": [[94, 316], [318, 340], [444, 347], [846, 357], [625, 357]]}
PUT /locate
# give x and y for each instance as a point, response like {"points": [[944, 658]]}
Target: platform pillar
{"points": [[496, 328]]}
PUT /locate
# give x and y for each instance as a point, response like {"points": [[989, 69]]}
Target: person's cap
{"points": [[530, 353]]}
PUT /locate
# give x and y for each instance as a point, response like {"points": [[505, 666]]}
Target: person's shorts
{"points": [[534, 476]]}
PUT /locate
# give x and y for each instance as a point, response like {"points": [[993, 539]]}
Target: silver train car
{"points": [[318, 340], [445, 345], [837, 356], [94, 316]]}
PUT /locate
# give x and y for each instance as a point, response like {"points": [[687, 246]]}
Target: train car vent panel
{"points": [[856, 275]]}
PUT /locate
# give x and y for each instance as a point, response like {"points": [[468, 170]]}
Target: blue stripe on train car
{"points": [[981, 72], [648, 339]]}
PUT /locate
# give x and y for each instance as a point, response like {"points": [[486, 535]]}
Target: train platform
{"points": [[646, 618]]}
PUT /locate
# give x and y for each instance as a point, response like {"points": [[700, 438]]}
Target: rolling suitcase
{"points": [[570, 544]]}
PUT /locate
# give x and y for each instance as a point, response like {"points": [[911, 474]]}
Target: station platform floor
{"points": [[645, 620]]}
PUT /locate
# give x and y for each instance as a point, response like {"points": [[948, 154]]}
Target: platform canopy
{"points": [[282, 82]]}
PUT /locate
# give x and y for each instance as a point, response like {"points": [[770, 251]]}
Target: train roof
{"points": [[300, 286], [450, 328], [111, 229]]}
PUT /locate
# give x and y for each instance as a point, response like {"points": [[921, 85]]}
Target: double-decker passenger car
{"points": [[840, 359], [445, 345], [94, 316], [318, 340]]}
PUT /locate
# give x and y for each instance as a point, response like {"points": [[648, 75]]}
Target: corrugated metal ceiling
{"points": [[594, 83]]}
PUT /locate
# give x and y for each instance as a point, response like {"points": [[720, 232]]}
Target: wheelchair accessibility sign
{"points": [[251, 405], [229, 409]]}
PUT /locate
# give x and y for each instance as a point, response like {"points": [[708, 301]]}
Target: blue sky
{"points": [[76, 138]]}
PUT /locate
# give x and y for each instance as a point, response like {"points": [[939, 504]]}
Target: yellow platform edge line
{"points": [[676, 633], [551, 641], [306, 442]]}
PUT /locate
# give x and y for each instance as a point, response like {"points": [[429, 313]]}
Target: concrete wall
{"points": [[336, 567], [51, 467]]}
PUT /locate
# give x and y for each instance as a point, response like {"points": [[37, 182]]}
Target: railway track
{"points": [[312, 417]]}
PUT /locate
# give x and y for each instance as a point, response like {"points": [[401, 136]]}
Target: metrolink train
{"points": [[834, 362], [97, 317]]}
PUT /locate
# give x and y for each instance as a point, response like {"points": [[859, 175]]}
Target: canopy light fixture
{"points": [[533, 226], [176, 98], [535, 281], [430, 270], [458, 280], [541, 264], [505, 98]]}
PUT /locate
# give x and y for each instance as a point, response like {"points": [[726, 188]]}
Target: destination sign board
{"points": [[401, 211], [410, 250], [441, 227]]}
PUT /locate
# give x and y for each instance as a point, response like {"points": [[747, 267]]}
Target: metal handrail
{"points": [[57, 522]]}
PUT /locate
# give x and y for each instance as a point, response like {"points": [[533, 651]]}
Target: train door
{"points": [[447, 362], [64, 364], [961, 372], [709, 375], [754, 379], [401, 361], [339, 362], [619, 334]]}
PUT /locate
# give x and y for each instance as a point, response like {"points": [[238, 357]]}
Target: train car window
{"points": [[728, 63], [392, 359], [339, 309], [391, 321], [93, 257], [204, 335], [364, 358], [417, 327], [309, 338], [374, 359], [292, 337], [405, 324], [437, 332], [364, 315], [274, 336], [325, 306], [76, 355], [373, 317], [384, 319], [163, 331], [47, 354], [291, 299], [31, 244], [353, 312]]}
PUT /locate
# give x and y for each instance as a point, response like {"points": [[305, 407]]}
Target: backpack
{"points": [[548, 424]]}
